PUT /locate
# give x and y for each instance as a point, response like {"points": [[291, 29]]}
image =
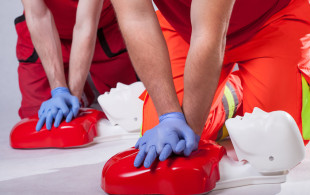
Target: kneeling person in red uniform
{"points": [[59, 43], [187, 75]]}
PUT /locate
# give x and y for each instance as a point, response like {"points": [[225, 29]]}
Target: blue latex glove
{"points": [[172, 134], [62, 104]]}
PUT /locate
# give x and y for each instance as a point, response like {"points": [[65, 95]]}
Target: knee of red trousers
{"points": [[214, 123], [25, 112], [221, 111], [34, 88]]}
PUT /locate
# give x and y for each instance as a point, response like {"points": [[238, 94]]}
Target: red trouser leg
{"points": [[178, 49], [34, 91], [110, 65], [33, 84], [268, 62]]}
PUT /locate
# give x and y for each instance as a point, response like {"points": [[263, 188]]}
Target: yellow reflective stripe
{"points": [[305, 113], [225, 132], [142, 123], [141, 131], [230, 100], [234, 94]]}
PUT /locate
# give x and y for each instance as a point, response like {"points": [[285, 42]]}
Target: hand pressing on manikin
{"points": [[61, 105], [172, 134]]}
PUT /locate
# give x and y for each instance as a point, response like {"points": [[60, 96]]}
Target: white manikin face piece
{"points": [[122, 105], [270, 142]]}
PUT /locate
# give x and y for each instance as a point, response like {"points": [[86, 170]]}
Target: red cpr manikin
{"points": [[267, 145], [177, 175], [78, 132]]}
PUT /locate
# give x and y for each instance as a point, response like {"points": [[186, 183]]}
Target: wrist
{"points": [[59, 82], [175, 115], [77, 93], [59, 90], [76, 88]]}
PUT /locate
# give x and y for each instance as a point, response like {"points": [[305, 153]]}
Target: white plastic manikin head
{"points": [[122, 105], [270, 142]]}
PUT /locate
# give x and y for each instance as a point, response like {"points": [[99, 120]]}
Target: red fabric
{"points": [[304, 64], [64, 12], [105, 71], [247, 17], [268, 66]]}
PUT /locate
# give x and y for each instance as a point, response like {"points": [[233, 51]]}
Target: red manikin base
{"points": [[78, 132], [195, 174]]}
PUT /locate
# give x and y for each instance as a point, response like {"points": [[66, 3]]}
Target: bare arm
{"points": [[83, 45], [46, 40], [148, 51], [210, 21]]}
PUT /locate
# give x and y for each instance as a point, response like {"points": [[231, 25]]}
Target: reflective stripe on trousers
{"points": [[230, 102]]}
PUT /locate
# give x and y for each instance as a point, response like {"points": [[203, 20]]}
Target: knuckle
{"points": [[190, 144]]}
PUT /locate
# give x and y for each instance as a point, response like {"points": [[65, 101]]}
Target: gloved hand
{"points": [[62, 104], [172, 134]]}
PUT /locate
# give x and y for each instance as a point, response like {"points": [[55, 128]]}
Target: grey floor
{"points": [[75, 171]]}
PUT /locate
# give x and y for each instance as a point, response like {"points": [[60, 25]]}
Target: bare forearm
{"points": [[83, 44], [210, 21], [80, 60], [46, 40], [201, 77], [149, 54], [151, 61]]}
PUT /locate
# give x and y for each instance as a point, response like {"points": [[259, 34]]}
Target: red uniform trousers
{"points": [[110, 65], [268, 76]]}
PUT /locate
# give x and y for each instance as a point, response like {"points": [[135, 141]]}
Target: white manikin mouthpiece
{"points": [[270, 142], [122, 105]]}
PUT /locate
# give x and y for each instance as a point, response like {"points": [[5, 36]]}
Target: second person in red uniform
{"points": [[59, 43]]}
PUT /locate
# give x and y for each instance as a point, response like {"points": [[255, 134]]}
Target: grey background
{"points": [[9, 92]]}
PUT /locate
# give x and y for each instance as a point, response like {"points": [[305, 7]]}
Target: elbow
{"points": [[39, 14], [35, 19], [211, 33], [210, 41], [86, 30], [210, 36]]}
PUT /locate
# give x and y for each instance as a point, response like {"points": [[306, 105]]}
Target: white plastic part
{"points": [[234, 173], [270, 142], [123, 107], [107, 132], [267, 146]]}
